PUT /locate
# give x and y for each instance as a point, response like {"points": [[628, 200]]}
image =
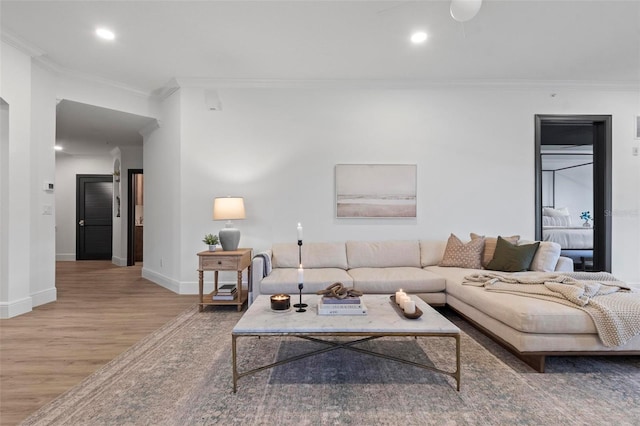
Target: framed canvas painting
{"points": [[376, 190]]}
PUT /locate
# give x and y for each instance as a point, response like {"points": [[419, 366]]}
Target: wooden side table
{"points": [[237, 260]]}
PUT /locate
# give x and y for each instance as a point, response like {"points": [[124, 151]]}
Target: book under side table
{"points": [[216, 261], [382, 320]]}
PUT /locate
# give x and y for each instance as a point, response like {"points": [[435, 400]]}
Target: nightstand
{"points": [[237, 260]]}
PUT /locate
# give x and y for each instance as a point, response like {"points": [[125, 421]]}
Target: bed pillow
{"points": [[562, 211], [546, 257], [463, 255], [490, 246], [512, 258], [564, 221]]}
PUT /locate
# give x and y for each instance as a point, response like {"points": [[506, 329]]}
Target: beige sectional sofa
{"points": [[531, 328]]}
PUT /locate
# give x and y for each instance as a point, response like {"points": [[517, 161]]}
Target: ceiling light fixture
{"points": [[105, 34], [464, 10], [57, 148], [419, 37]]}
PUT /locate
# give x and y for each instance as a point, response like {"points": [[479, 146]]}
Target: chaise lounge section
{"points": [[531, 328]]}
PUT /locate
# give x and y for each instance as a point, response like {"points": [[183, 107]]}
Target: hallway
{"points": [[101, 311]]}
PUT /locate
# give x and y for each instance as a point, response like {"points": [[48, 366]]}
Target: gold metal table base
{"points": [[333, 345]]}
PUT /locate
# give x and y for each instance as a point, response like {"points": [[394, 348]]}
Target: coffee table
{"points": [[383, 320]]}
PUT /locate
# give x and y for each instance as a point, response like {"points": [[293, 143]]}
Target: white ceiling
{"points": [[516, 41]]}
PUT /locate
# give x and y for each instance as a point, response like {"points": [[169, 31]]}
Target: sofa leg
{"points": [[534, 361]]}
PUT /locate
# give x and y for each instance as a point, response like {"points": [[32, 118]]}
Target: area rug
{"points": [[181, 375]]}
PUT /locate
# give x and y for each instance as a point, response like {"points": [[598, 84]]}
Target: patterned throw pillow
{"points": [[463, 255], [512, 258], [490, 246]]}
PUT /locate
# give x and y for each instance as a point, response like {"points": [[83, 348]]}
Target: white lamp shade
{"points": [[228, 208]]}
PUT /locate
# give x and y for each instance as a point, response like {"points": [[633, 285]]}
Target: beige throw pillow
{"points": [[490, 246], [463, 255]]}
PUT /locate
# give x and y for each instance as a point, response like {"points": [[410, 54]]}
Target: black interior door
{"points": [[94, 211]]}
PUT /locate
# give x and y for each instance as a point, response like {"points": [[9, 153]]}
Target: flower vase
{"points": [[212, 247], [586, 224]]}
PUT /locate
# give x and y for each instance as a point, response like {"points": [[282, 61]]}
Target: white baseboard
{"points": [[45, 296], [65, 257], [118, 261], [161, 280], [15, 308]]}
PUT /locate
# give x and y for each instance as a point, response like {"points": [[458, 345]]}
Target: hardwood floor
{"points": [[101, 311]]}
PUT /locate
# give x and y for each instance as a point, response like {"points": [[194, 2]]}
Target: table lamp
{"points": [[228, 208]]}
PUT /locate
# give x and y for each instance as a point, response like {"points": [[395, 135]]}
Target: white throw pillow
{"points": [[546, 257]]}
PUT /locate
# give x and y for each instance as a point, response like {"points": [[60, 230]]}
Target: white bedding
{"points": [[576, 237]]}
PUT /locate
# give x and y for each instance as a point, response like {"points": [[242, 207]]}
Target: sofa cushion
{"points": [[490, 246], [285, 280], [383, 254], [314, 255], [388, 280], [459, 254], [546, 257], [512, 258], [431, 252], [522, 313]]}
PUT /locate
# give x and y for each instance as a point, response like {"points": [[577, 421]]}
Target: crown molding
{"points": [[208, 83], [21, 44]]}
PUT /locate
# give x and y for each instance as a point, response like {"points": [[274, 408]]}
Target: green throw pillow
{"points": [[512, 258]]}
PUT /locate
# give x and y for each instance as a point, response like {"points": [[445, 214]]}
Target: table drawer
{"points": [[220, 263]]}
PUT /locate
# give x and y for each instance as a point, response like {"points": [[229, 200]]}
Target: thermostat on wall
{"points": [[48, 186]]}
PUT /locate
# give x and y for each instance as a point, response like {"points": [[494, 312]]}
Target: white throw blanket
{"points": [[613, 305]]}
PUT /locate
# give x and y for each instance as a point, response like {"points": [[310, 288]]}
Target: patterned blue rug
{"points": [[181, 375]]}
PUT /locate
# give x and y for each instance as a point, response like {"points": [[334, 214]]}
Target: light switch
{"points": [[634, 151], [47, 210]]}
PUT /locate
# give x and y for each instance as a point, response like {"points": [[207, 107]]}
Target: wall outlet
{"points": [[47, 210]]}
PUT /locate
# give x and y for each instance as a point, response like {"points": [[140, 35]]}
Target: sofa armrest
{"points": [[257, 274], [565, 264]]}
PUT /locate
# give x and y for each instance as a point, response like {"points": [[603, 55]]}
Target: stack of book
{"points": [[225, 292], [348, 306]]}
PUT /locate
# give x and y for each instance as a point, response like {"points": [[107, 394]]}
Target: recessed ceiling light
{"points": [[105, 34], [57, 148], [419, 37]]}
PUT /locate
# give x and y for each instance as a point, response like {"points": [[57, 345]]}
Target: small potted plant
{"points": [[212, 240], [586, 216]]}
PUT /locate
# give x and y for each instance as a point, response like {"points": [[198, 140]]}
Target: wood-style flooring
{"points": [[101, 311]]}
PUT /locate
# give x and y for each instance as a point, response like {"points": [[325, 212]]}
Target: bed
{"points": [[576, 241]]}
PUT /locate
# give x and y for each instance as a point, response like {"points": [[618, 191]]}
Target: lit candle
{"points": [[280, 302], [300, 274], [404, 300], [299, 232], [399, 295], [409, 307]]}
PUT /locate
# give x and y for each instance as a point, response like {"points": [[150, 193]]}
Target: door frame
{"points": [[131, 215], [602, 181]]}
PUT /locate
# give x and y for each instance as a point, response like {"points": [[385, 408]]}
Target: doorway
{"points": [[135, 217], [573, 186], [94, 223]]}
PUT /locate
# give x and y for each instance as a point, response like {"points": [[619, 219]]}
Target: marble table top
{"points": [[382, 318]]}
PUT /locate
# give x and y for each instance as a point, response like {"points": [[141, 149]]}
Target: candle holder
{"points": [[300, 305], [280, 302]]}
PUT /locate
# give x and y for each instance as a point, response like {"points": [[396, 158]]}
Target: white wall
{"points": [[129, 158], [474, 148], [43, 135], [27, 249], [163, 197], [15, 89], [66, 169], [574, 190]]}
